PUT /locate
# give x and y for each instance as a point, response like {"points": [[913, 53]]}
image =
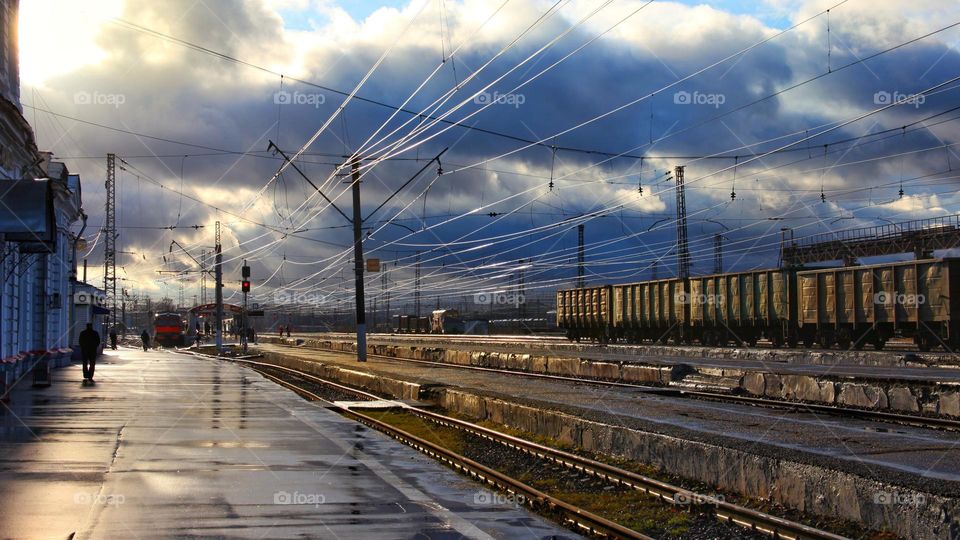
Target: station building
{"points": [[40, 205]]}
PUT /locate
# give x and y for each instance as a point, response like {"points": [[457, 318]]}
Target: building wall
{"points": [[36, 307], [82, 313], [22, 295], [9, 53], [10, 302]]}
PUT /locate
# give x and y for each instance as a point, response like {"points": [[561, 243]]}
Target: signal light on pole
{"points": [[245, 286]]}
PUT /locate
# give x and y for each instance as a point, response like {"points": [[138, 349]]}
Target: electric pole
{"points": [[357, 222], [109, 244], [521, 299], [203, 276], [683, 249], [245, 288], [580, 256], [386, 301], [416, 284], [358, 264], [218, 293], [180, 300], [718, 253]]}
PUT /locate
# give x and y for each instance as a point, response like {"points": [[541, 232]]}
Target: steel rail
{"points": [[582, 519], [745, 517]]}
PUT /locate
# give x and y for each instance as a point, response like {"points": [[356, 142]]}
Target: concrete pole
{"points": [[358, 265], [218, 294]]}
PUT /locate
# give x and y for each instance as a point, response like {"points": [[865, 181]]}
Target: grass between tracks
{"points": [[628, 507], [837, 526]]}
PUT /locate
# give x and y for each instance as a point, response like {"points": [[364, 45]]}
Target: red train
{"points": [[168, 330]]}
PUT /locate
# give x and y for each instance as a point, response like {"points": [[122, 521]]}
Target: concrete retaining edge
{"points": [[783, 355], [375, 384], [808, 488], [880, 394]]}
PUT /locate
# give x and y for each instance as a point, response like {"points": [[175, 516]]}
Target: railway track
{"points": [[928, 422], [583, 520]]}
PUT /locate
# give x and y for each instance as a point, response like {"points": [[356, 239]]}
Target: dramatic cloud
{"points": [[135, 66]]}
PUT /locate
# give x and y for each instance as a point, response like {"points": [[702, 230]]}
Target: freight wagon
{"points": [[743, 307], [586, 313], [651, 310], [411, 324], [854, 306], [849, 307]]}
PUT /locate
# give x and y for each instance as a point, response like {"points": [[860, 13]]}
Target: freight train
{"points": [[849, 307], [411, 324]]}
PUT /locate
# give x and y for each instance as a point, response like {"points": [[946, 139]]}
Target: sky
{"points": [[548, 115]]}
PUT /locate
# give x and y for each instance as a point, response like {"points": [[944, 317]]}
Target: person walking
{"points": [[145, 338], [280, 328], [113, 338], [89, 343], [288, 330]]}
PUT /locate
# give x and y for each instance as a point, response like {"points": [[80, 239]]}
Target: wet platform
{"points": [[167, 445]]}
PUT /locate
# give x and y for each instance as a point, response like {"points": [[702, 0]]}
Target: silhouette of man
{"points": [[89, 342], [113, 338]]}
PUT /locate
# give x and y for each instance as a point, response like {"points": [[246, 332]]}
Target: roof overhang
{"points": [[27, 216]]}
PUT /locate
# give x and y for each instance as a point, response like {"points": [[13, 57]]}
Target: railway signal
{"points": [[244, 288]]}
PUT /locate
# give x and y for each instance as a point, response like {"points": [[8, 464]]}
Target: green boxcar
{"points": [[651, 310], [742, 307], [854, 306], [586, 313]]}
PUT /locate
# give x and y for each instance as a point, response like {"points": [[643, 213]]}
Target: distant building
{"points": [[87, 305], [39, 202]]}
